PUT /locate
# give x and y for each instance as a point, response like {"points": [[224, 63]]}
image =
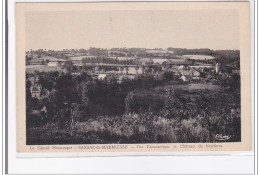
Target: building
{"points": [[188, 74], [217, 67], [183, 67], [33, 79], [101, 76], [36, 91], [126, 70], [185, 78], [54, 64], [44, 109], [196, 73], [122, 77]]}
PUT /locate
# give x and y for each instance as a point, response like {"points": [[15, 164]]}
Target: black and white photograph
{"points": [[132, 76]]}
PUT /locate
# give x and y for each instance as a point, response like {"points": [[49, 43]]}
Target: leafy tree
{"points": [[121, 70], [44, 92], [85, 94], [130, 102], [174, 104], [126, 69], [68, 65]]}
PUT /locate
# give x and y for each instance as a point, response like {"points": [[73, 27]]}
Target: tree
{"points": [[28, 95], [121, 70], [136, 69], [68, 65], [84, 61], [168, 76], [85, 94], [75, 115], [174, 104], [44, 92], [111, 80], [126, 69], [130, 104]]}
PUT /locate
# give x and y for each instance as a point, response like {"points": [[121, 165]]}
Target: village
{"points": [[122, 66]]}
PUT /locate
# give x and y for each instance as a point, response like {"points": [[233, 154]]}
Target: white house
{"points": [[121, 77], [36, 91], [217, 67], [185, 78], [101, 76], [196, 73], [33, 79], [54, 64], [183, 67]]}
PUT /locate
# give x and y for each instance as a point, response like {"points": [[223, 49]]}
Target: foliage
{"points": [[82, 109]]}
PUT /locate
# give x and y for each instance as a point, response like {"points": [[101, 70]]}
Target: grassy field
{"points": [[45, 57], [134, 128], [198, 57], [190, 87], [41, 68]]}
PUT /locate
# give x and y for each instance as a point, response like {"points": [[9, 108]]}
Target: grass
{"points": [[137, 128], [198, 57], [42, 68], [190, 87]]}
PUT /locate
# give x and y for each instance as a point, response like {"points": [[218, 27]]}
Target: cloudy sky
{"points": [[214, 29]]}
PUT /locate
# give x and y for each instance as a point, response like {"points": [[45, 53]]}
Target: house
{"points": [[196, 74], [185, 72], [36, 91], [185, 78], [44, 109], [188, 74], [122, 77], [174, 70], [140, 70], [54, 64], [195, 78], [183, 67], [33, 79], [101, 76], [126, 70], [217, 67]]}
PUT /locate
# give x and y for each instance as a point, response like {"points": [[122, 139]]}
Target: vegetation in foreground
{"points": [[144, 110]]}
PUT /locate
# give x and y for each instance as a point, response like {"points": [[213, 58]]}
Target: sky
{"points": [[213, 29]]}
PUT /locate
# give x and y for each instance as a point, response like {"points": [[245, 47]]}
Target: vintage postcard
{"points": [[133, 77]]}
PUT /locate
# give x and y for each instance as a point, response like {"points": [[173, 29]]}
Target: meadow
{"points": [[41, 68]]}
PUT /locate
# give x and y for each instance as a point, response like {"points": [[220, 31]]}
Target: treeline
{"points": [[94, 97], [107, 60], [222, 56], [224, 53], [107, 97]]}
